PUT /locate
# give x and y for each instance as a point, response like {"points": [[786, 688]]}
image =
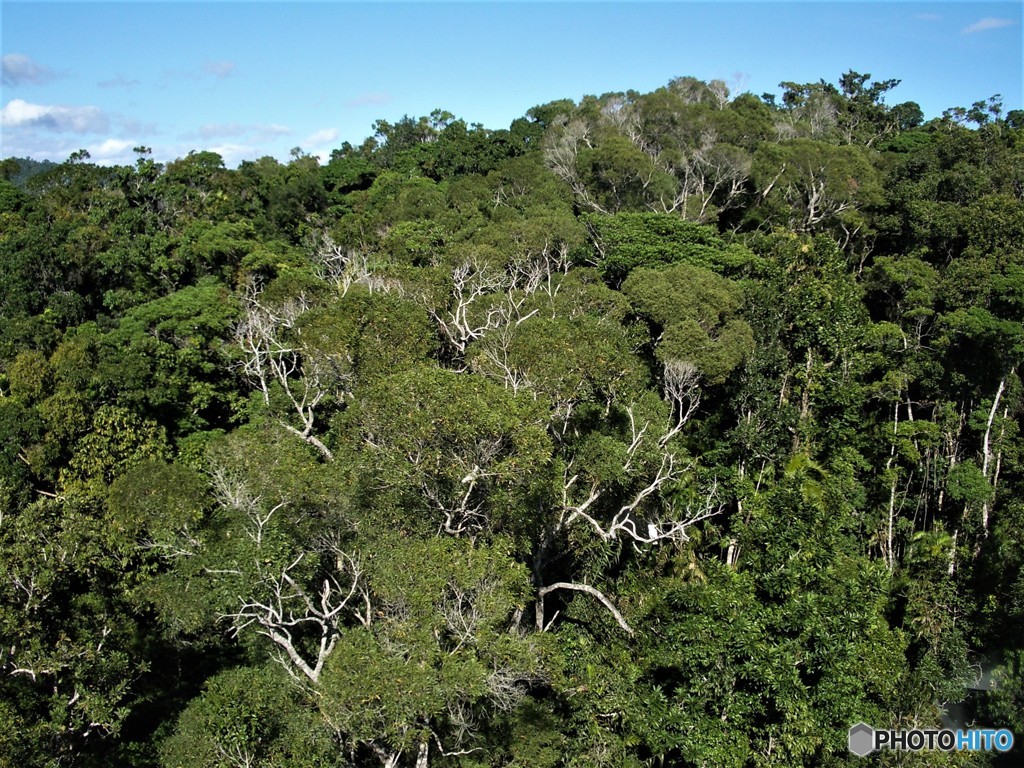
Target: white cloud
{"points": [[321, 143], [326, 136], [928, 17], [19, 69], [989, 22], [233, 154], [112, 151], [265, 133], [255, 133], [21, 114], [219, 68], [58, 148]]}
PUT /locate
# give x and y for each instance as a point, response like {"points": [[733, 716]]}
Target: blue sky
{"points": [[248, 79]]}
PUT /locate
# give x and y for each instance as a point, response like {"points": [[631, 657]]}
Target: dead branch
{"points": [[545, 591]]}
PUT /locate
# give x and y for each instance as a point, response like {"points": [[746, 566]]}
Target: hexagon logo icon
{"points": [[861, 739]]}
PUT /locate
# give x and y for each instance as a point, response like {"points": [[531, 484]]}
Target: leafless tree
{"points": [[494, 360], [345, 267], [285, 611], [681, 382], [719, 91], [484, 297], [277, 601], [561, 149], [462, 321], [818, 202], [706, 171], [267, 336], [580, 509], [822, 114]]}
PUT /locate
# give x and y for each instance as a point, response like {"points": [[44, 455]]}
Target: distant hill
{"points": [[27, 168]]}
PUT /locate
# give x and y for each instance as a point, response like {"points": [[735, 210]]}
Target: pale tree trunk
{"points": [[732, 554], [387, 759], [952, 452], [423, 758], [987, 449], [889, 554], [999, 453], [952, 554]]}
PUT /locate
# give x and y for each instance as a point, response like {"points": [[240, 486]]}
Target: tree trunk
{"points": [[987, 450], [952, 554], [732, 554], [889, 554]]}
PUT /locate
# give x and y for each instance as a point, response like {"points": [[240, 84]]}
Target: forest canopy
{"points": [[673, 428]]}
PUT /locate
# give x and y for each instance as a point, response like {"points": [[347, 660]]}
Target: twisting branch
{"points": [[464, 516], [637, 437], [580, 507], [495, 361], [623, 524], [484, 298], [387, 759], [459, 322]]}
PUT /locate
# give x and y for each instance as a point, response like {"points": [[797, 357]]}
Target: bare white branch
{"points": [[286, 612], [682, 390], [270, 358], [594, 592]]}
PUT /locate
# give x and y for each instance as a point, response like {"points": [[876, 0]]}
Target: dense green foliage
{"points": [[665, 429]]}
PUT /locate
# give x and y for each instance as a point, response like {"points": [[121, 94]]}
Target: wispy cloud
{"points": [[119, 81], [219, 68], [321, 143], [325, 136], [19, 69], [989, 22], [367, 99], [171, 75], [928, 17], [217, 130], [62, 119], [270, 132], [57, 148], [256, 132]]}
